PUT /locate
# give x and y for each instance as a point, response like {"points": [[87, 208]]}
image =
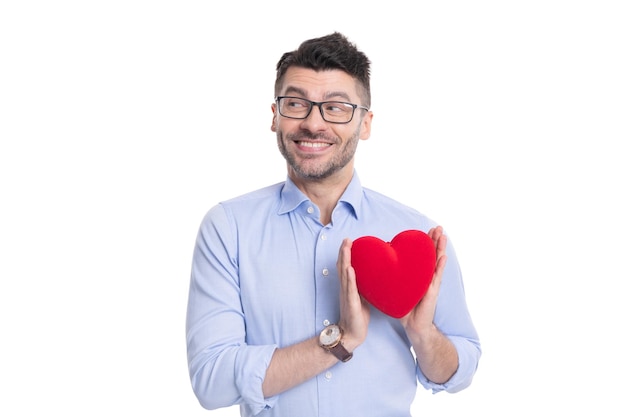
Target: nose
{"points": [[314, 121]]}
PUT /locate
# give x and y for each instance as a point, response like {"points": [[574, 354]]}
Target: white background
{"points": [[504, 121]]}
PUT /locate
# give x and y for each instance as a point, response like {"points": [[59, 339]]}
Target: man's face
{"points": [[314, 148]]}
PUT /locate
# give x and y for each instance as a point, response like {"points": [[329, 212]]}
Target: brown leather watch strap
{"points": [[341, 352]]}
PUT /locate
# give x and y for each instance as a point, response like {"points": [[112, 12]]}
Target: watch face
{"points": [[330, 335]]}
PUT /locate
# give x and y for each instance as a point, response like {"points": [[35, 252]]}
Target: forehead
{"points": [[319, 85]]}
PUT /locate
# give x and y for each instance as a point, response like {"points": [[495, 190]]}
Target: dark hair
{"points": [[332, 51]]}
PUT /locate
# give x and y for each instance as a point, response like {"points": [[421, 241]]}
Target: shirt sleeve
{"points": [[453, 319], [223, 369]]}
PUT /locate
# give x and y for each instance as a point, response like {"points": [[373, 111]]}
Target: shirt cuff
{"points": [[468, 355], [251, 367]]}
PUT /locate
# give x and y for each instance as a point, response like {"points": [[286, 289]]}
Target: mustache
{"points": [[300, 136]]}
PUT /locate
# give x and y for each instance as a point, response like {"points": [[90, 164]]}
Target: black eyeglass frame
{"points": [[319, 104]]}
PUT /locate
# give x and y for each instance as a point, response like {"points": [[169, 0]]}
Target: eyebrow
{"points": [[327, 95]]}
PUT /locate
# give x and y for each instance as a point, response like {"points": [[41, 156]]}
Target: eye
{"points": [[296, 104], [336, 107]]}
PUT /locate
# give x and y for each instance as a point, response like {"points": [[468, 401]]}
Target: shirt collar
{"points": [[291, 197]]}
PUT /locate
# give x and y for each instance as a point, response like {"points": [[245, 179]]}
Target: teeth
{"points": [[314, 144]]}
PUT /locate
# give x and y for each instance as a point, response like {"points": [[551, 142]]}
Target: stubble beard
{"points": [[319, 171]]}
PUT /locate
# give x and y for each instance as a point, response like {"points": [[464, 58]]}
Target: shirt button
{"points": [[325, 272], [328, 375], [326, 323], [323, 237], [310, 210]]}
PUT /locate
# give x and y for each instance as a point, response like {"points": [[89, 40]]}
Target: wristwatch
{"points": [[330, 339]]}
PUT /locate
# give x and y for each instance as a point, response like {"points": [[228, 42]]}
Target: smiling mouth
{"points": [[313, 144]]}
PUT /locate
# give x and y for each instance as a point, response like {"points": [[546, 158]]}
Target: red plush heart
{"points": [[394, 276]]}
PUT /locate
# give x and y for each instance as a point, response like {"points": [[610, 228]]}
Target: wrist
{"points": [[422, 334], [331, 339]]}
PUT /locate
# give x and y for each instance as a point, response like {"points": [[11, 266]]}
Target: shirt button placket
{"points": [[325, 271]]}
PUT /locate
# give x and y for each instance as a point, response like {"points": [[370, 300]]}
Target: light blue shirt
{"points": [[264, 276]]}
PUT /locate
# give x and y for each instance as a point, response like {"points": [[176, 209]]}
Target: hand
{"points": [[420, 319], [354, 310]]}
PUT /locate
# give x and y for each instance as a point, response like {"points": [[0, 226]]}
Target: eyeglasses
{"points": [[332, 111]]}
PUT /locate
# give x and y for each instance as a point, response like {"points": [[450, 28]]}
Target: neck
{"points": [[324, 193]]}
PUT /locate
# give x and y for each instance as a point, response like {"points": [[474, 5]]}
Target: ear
{"points": [[366, 125], [274, 111]]}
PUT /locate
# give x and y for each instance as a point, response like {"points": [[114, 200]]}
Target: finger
{"points": [[435, 233], [346, 245], [347, 278], [344, 260], [442, 242], [441, 264]]}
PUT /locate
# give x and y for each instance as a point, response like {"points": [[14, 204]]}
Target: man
{"points": [[272, 279]]}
